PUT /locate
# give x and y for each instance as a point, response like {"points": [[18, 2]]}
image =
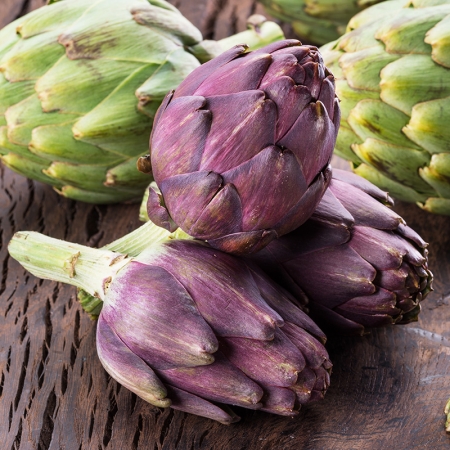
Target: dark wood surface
{"points": [[388, 389]]}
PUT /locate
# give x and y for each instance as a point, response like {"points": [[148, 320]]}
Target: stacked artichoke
{"points": [[207, 307], [316, 21], [393, 80]]}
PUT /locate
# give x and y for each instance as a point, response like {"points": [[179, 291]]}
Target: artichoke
{"points": [[356, 260], [176, 332], [393, 79], [316, 21], [80, 83], [240, 151]]}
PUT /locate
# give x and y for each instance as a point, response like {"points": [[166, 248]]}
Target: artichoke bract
{"points": [[176, 332], [356, 260], [80, 82], [392, 73], [316, 21], [240, 150]]}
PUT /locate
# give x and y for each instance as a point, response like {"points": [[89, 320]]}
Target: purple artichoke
{"points": [[241, 149], [356, 260], [187, 326]]}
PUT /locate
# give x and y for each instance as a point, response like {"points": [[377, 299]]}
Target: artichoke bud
{"points": [[356, 260], [187, 326], [240, 126]]}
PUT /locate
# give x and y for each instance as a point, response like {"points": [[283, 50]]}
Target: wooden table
{"points": [[388, 389]]}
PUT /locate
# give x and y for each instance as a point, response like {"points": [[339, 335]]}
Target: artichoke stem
{"points": [[87, 268], [138, 240]]}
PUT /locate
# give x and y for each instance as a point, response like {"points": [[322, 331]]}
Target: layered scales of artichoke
{"points": [[392, 73]]}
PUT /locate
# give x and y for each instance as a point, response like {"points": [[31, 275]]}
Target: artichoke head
{"points": [[393, 78]]}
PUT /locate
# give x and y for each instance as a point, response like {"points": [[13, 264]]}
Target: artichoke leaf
{"points": [[362, 68], [413, 79], [401, 164], [394, 188], [438, 181], [56, 143], [12, 93], [126, 174], [6, 147], [405, 33], [177, 66], [28, 168], [429, 125], [437, 206], [81, 75], [439, 39], [26, 115], [373, 118], [116, 123]]}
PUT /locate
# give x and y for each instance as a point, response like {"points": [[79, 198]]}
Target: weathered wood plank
{"points": [[388, 388]]}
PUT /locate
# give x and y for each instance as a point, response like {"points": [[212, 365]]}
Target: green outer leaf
{"points": [[439, 39], [6, 146], [413, 79], [53, 18], [429, 125], [102, 198], [338, 10], [395, 189], [68, 85], [26, 115], [89, 178], [8, 36], [317, 31], [346, 138], [164, 4], [362, 69], [379, 11], [350, 97], [373, 118], [118, 38], [441, 163], [171, 23], [437, 206], [331, 58], [400, 164], [31, 58], [126, 174], [359, 39], [56, 143], [116, 121], [404, 32], [439, 182], [27, 168], [177, 66], [12, 93]]}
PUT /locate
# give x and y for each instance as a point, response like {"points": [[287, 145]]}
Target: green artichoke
{"points": [[80, 83], [392, 74], [316, 21]]}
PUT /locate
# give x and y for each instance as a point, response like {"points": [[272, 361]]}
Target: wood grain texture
{"points": [[388, 388]]}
